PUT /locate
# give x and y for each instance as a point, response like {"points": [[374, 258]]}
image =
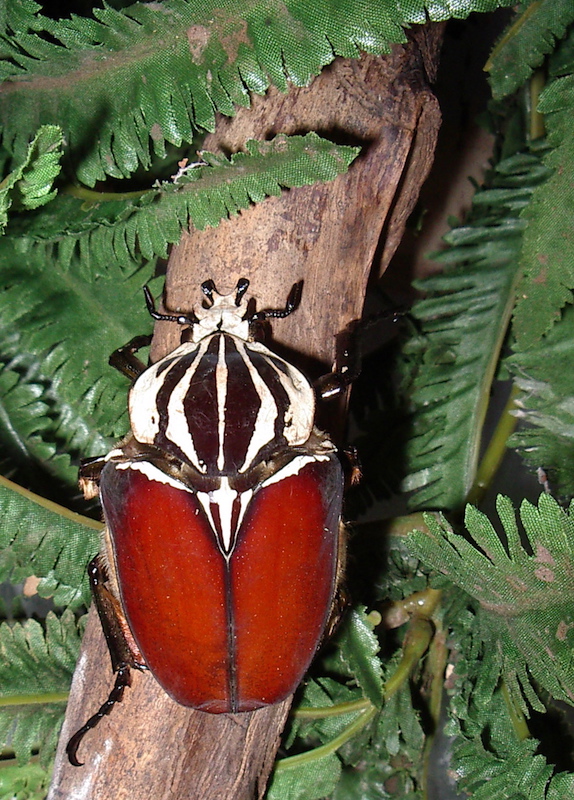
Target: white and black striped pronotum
{"points": [[222, 513]]}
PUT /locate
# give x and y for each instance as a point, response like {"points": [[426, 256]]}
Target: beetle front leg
{"points": [[123, 651], [348, 355], [124, 358], [347, 364]]}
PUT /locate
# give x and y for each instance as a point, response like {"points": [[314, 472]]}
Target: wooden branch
{"points": [[326, 234]]}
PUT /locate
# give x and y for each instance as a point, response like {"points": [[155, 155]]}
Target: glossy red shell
{"points": [[226, 633]]}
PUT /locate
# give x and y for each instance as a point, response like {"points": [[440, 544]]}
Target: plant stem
{"points": [[535, 86], [92, 196], [327, 749], [516, 716], [33, 699], [495, 451], [323, 712]]}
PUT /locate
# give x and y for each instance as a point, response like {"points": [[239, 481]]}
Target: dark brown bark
{"points": [[327, 235]]}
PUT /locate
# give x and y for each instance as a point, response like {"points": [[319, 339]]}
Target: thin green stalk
{"points": [[34, 699], [516, 716], [292, 762], [323, 712], [495, 451], [435, 667], [92, 196], [535, 86]]}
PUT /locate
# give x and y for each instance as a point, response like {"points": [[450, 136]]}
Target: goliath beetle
{"points": [[223, 543]]}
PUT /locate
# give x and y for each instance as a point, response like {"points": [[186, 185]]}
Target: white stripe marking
{"points": [[294, 467], [153, 473], [264, 428], [177, 430], [221, 375], [224, 498]]}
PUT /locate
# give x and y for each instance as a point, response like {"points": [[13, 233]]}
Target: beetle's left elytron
{"points": [[222, 546]]}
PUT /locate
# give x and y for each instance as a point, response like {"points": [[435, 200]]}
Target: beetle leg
{"points": [[89, 477], [123, 651], [349, 356], [347, 364], [123, 679], [342, 599], [353, 471], [122, 647], [124, 358]]}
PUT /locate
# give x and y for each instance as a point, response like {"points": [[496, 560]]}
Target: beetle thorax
{"points": [[224, 316], [221, 403]]}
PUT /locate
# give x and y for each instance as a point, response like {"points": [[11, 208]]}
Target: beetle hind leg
{"points": [[123, 679], [123, 651]]}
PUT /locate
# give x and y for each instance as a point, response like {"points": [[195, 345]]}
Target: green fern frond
{"points": [[528, 39], [491, 746], [30, 185], [115, 72], [40, 538], [463, 321], [524, 600], [57, 330], [36, 667], [359, 648], [105, 229], [493, 762], [544, 376], [549, 238], [25, 431]]}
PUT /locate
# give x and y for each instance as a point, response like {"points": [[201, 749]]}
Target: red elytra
{"points": [[226, 632]]}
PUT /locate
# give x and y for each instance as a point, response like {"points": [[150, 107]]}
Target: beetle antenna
{"points": [[123, 679], [242, 286], [293, 300], [181, 319]]}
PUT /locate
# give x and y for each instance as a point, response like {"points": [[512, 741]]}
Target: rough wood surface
{"points": [[327, 235]]}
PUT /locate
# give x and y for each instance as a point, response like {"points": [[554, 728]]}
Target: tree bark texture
{"points": [[329, 235]]}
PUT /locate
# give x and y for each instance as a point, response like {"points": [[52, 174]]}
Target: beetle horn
{"points": [[208, 288], [241, 288]]}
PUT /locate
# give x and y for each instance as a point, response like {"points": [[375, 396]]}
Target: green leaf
{"points": [[530, 37], [311, 781], [24, 781], [39, 538], [549, 238], [462, 322], [57, 330], [110, 228], [36, 667], [359, 651], [491, 760], [25, 419], [29, 186], [148, 74], [525, 603], [546, 382]]}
